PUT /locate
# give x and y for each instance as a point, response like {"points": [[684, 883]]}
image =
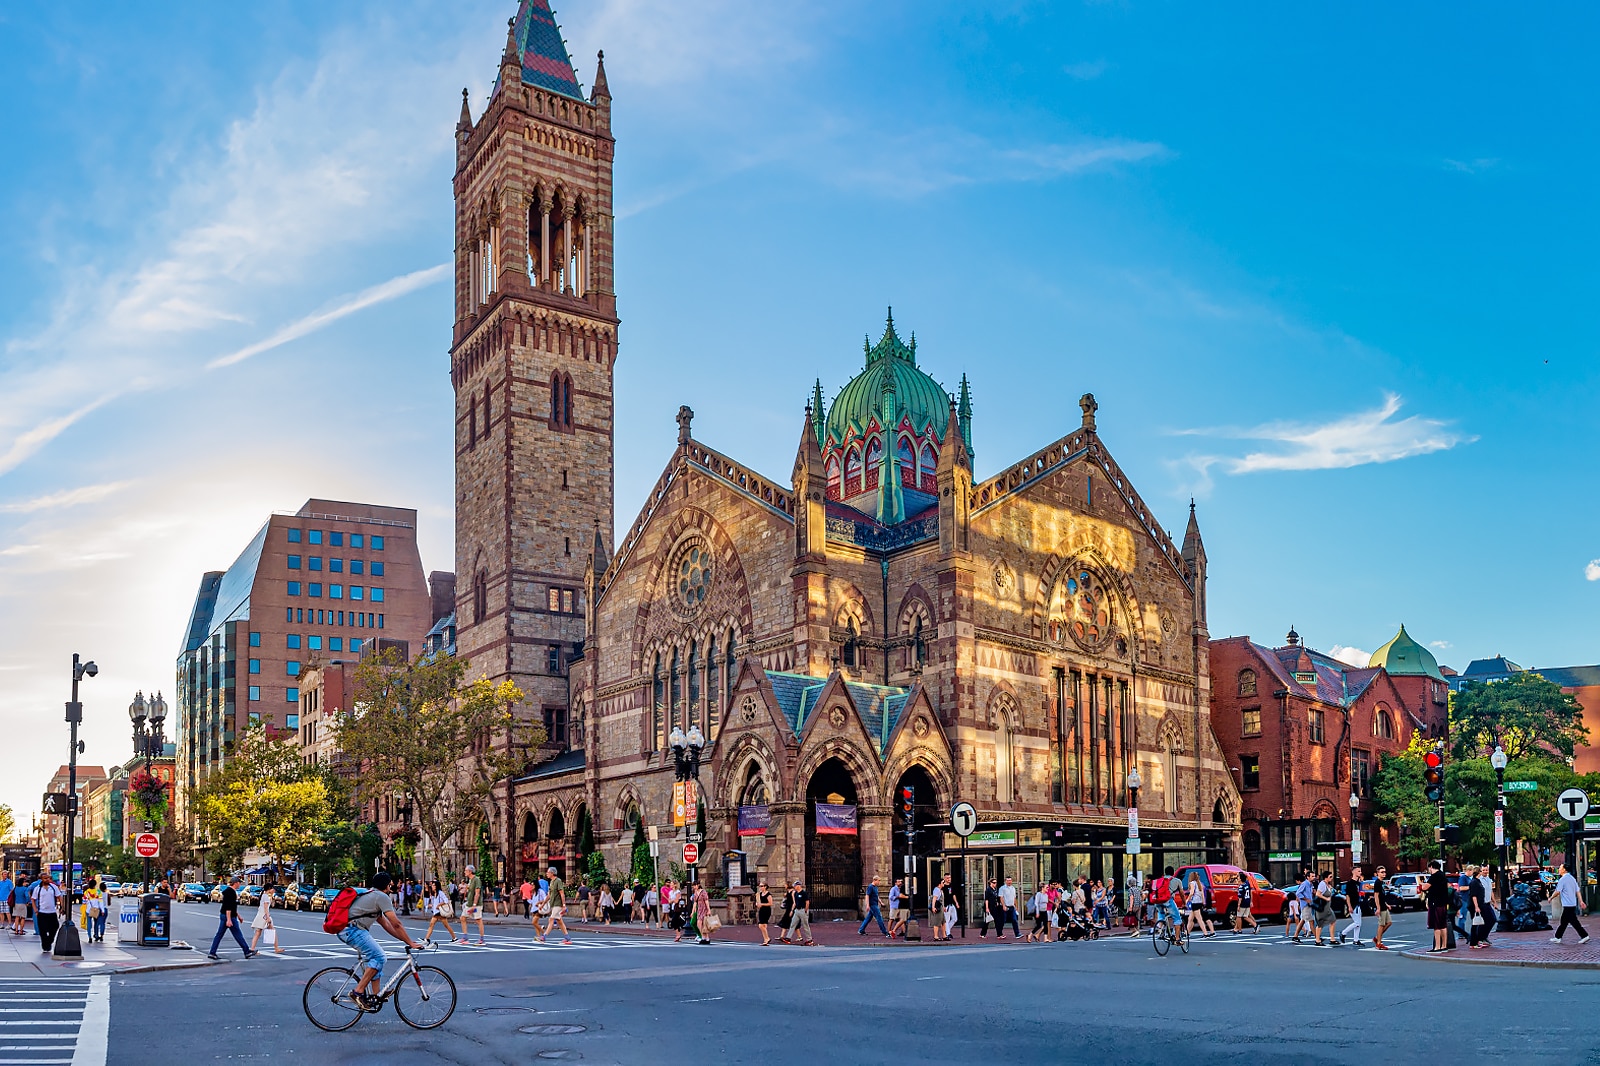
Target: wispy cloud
{"points": [[65, 498], [1375, 436], [377, 294], [932, 160], [27, 443], [1349, 655], [1442, 645], [1471, 166], [1087, 70], [1592, 571]]}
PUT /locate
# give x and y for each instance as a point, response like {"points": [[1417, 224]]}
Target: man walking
{"points": [[473, 910], [1439, 893], [1304, 894], [894, 911], [1352, 893], [228, 918], [991, 910], [557, 896], [1008, 909], [1567, 893], [1242, 913], [47, 907], [802, 914], [1380, 904], [873, 913], [6, 888]]}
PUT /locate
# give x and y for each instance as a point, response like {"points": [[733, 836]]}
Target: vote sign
{"points": [[963, 818], [691, 854], [1573, 804], [146, 845]]}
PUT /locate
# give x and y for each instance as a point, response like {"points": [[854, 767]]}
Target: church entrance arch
{"points": [[833, 860], [927, 822], [557, 838]]}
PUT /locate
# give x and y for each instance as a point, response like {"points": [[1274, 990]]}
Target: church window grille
{"points": [[929, 470], [1247, 682], [906, 455], [676, 692], [731, 666], [695, 713], [852, 472], [657, 696], [713, 668], [874, 461], [833, 477]]}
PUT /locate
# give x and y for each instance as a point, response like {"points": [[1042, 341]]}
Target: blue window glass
{"points": [[291, 695], [255, 666], [336, 644], [335, 592], [355, 592], [341, 617], [291, 668], [356, 566], [314, 643], [294, 588], [314, 562], [377, 544], [336, 539], [380, 621], [377, 594], [314, 589], [255, 717], [315, 536], [292, 721], [294, 562], [255, 692], [294, 640], [355, 540], [255, 640], [355, 644], [288, 614], [294, 536], [299, 614], [336, 565], [377, 568]]}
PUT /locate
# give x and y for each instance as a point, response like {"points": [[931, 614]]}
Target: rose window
{"points": [[694, 576]]}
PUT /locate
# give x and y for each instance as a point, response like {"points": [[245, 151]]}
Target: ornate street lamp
{"points": [[149, 742], [1498, 761], [686, 748]]}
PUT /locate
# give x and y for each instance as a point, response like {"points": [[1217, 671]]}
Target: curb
{"points": [[1534, 964]]}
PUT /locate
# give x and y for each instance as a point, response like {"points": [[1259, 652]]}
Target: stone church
{"points": [[879, 619]]}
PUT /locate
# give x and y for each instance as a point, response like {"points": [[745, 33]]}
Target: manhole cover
{"points": [[553, 1029], [504, 1010], [560, 1053], [521, 995]]}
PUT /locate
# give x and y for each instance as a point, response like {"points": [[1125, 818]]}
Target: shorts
{"points": [[557, 912], [902, 915], [1244, 911], [1439, 917], [362, 941], [5, 910], [1385, 920], [473, 913]]}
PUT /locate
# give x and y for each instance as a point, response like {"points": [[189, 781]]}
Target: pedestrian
{"points": [[652, 906], [704, 921], [94, 911], [1195, 895], [21, 901], [625, 903], [1380, 906], [1482, 917], [525, 891], [368, 907], [936, 911], [1305, 894], [787, 916], [1352, 893], [802, 914], [606, 905], [228, 920], [556, 901], [441, 909], [48, 903], [1439, 893], [1008, 908], [952, 912], [1102, 905], [1241, 913], [1039, 907], [263, 922], [894, 912], [1324, 914], [991, 904], [764, 912], [1133, 890], [473, 911], [584, 898], [873, 913], [7, 888], [1567, 894]]}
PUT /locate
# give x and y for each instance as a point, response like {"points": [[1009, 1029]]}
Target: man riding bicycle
{"points": [[373, 906], [1166, 907]]}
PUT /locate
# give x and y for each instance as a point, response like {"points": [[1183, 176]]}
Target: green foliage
{"points": [[586, 844], [1525, 714], [487, 870], [643, 864], [94, 853], [8, 822], [266, 798], [596, 870]]}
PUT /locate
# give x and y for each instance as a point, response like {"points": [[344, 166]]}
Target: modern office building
{"points": [[310, 586]]}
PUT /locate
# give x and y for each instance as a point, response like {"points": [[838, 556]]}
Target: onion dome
{"points": [[917, 397], [1404, 657]]}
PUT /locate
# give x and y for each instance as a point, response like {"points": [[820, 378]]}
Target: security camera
{"points": [[90, 668]]}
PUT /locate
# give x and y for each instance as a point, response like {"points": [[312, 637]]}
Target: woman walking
{"points": [[607, 903], [263, 921], [1482, 912], [764, 912], [702, 914], [94, 911], [442, 910]]}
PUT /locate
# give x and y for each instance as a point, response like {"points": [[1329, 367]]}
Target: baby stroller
{"points": [[1074, 926]]}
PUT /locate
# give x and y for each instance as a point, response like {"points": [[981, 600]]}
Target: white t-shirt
{"points": [[1567, 889], [45, 897], [627, 897], [1041, 902], [1008, 896]]}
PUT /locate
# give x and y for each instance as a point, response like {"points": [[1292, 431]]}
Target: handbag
{"points": [[710, 923], [1477, 920], [269, 936], [446, 910]]}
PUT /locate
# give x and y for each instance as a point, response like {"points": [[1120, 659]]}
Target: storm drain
{"points": [[521, 995], [553, 1029]]}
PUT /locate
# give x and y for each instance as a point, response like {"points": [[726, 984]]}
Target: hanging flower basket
{"points": [[147, 796]]}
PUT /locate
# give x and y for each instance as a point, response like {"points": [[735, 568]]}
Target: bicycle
{"points": [[426, 1001], [1163, 936]]}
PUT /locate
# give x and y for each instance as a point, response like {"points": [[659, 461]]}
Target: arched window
{"points": [[852, 472], [676, 697], [1247, 682], [848, 655], [833, 477], [731, 666], [1169, 769], [713, 669], [1004, 756], [555, 400], [1383, 724], [929, 471], [488, 407], [874, 461], [657, 704], [753, 793], [566, 400], [472, 425], [906, 454], [695, 716], [480, 596]]}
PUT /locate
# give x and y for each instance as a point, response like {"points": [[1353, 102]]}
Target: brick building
{"points": [[882, 618], [311, 585], [1303, 731], [53, 828]]}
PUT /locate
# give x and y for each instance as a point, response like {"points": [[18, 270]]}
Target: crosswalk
{"points": [[328, 948], [1256, 940], [54, 1020]]}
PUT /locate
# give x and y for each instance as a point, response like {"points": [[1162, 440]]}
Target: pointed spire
{"points": [[1194, 549], [599, 555], [891, 496], [600, 90], [512, 56], [964, 413], [465, 124], [545, 61], [819, 421]]}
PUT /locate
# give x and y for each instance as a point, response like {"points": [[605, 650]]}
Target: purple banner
{"points": [[836, 818], [754, 821]]}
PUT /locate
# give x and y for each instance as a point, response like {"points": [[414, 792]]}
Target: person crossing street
{"points": [[1567, 894], [873, 911], [1352, 893], [228, 920]]}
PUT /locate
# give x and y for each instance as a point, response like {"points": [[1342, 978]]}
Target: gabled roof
{"points": [[1499, 666], [878, 706], [545, 62]]}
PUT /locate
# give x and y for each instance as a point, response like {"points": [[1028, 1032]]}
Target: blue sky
{"points": [[1331, 272]]}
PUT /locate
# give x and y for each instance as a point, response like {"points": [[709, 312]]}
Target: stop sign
{"points": [[145, 845], [691, 854]]}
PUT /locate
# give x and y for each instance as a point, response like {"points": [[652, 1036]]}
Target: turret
{"points": [[810, 485], [600, 93], [1194, 564], [955, 489]]}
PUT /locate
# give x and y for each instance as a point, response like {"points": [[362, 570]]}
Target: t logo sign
{"points": [[963, 819], [1573, 804]]}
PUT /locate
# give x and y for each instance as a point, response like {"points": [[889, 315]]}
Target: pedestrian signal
{"points": [[1433, 776], [907, 802]]}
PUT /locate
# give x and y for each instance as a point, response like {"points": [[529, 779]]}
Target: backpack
{"points": [[339, 912], [1163, 889]]}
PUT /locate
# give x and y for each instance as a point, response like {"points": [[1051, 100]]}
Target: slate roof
{"points": [[565, 763], [1571, 676], [1336, 683], [545, 62], [878, 706], [1499, 666]]}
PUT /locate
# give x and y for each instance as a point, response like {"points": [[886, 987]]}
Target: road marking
{"points": [[707, 999], [93, 1037]]}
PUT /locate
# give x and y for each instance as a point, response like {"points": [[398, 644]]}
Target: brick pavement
{"points": [[1523, 949]]}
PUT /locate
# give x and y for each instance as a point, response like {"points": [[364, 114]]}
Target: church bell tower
{"points": [[531, 358]]}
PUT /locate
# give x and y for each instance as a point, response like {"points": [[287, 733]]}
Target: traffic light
{"points": [[907, 803], [1433, 775]]}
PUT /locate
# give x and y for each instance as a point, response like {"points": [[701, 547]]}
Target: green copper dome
{"points": [[916, 395], [1404, 657]]}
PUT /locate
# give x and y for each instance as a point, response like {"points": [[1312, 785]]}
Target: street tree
{"points": [[420, 730], [8, 823], [265, 798], [1524, 714]]}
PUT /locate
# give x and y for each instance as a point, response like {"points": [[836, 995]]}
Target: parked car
{"points": [[1412, 890], [1266, 902], [296, 897], [1369, 899], [215, 895], [249, 895], [322, 897], [193, 892]]}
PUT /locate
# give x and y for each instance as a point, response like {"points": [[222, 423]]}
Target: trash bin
{"points": [[155, 920]]}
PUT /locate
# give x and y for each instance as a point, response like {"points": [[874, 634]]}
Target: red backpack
{"points": [[339, 911], [1163, 889]]}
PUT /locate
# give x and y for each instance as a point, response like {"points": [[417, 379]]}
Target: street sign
{"points": [[146, 845], [1133, 823], [1499, 828], [1573, 804], [651, 833], [691, 854], [1133, 846], [56, 803], [655, 849], [963, 818], [1522, 786]]}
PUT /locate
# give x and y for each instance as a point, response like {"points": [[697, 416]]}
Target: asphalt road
{"points": [[611, 999]]}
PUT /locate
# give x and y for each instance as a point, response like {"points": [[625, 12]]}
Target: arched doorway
{"points": [[528, 845], [926, 820], [556, 835], [833, 860]]}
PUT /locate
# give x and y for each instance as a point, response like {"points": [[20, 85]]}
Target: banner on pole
{"points": [[836, 818], [677, 803], [754, 821]]}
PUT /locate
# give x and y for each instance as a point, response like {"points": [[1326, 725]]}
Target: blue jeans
{"points": [[371, 953], [98, 922], [874, 913], [223, 927], [1169, 910]]}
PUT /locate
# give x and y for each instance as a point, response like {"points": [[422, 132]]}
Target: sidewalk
{"points": [[20, 956], [1521, 949]]}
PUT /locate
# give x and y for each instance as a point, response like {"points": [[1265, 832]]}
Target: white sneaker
{"points": [[1557, 940], [1583, 940]]}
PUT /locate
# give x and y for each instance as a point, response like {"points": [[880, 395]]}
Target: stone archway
{"points": [[833, 860], [556, 843]]}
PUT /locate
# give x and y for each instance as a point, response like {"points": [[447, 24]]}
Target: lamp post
{"points": [[1134, 783], [686, 748], [66, 942], [148, 742], [1355, 833], [1498, 761]]}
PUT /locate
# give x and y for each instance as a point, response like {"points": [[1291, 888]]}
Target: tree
{"points": [[417, 728], [95, 854], [8, 822], [264, 798], [643, 861], [586, 844], [1525, 714]]}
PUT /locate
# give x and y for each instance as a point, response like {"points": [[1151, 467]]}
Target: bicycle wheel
{"points": [[1159, 939], [425, 998], [1183, 938], [328, 1000]]}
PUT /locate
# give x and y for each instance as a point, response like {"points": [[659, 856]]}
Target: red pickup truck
{"points": [[1265, 901]]}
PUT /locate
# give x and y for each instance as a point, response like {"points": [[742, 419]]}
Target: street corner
{"points": [[1536, 950]]}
